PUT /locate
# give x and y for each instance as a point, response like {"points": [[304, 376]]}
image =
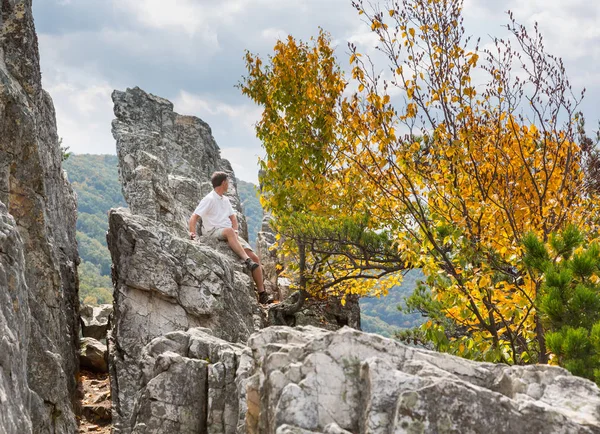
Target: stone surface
{"points": [[35, 191], [188, 382], [95, 321], [166, 159], [165, 283], [93, 355], [14, 330], [309, 380]]}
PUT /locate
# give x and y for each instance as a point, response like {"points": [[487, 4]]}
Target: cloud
{"points": [[232, 127], [191, 52]]}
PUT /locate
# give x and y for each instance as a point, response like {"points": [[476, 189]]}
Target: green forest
{"points": [[252, 210], [95, 179]]}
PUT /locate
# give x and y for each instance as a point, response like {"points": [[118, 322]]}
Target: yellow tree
{"points": [[488, 155], [338, 253]]}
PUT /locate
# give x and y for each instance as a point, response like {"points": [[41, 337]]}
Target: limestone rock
{"points": [[188, 382], [165, 283], [166, 159], [308, 380], [36, 193], [94, 320], [93, 355], [14, 330]]}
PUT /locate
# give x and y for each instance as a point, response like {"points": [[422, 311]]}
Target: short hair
{"points": [[218, 178]]}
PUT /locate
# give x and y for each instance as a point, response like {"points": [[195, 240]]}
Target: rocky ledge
{"points": [[309, 380]]}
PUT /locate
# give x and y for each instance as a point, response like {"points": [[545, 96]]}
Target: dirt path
{"points": [[96, 403]]}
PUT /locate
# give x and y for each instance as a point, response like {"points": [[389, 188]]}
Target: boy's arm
{"points": [[234, 222], [192, 226]]}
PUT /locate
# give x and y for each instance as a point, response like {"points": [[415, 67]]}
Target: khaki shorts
{"points": [[218, 234]]}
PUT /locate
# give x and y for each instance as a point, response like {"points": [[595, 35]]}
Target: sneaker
{"points": [[263, 298], [250, 264]]}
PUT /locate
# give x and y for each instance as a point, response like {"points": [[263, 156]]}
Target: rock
{"points": [[14, 330], [165, 283], [166, 160], [99, 413], [95, 320], [309, 380], [93, 355], [189, 379], [36, 193]]}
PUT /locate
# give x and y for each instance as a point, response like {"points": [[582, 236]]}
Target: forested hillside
{"points": [[95, 179], [381, 315], [252, 209]]}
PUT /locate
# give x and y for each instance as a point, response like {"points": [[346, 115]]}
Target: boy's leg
{"points": [[257, 274], [232, 239]]}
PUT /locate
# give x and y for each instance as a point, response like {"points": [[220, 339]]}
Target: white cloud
{"points": [[81, 99], [191, 51], [273, 34], [232, 127]]}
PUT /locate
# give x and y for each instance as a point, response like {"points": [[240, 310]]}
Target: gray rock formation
{"points": [[309, 380], [163, 281], [36, 193], [166, 159], [15, 416], [93, 355], [95, 321]]}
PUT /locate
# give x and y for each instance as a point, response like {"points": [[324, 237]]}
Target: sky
{"points": [[191, 52]]}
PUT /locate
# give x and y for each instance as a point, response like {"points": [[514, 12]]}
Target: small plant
{"points": [[570, 298]]}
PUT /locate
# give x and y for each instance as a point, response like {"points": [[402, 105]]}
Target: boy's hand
{"points": [[192, 235]]}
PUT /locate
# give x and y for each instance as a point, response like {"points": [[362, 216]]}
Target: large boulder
{"points": [[93, 355], [309, 380], [35, 191]]}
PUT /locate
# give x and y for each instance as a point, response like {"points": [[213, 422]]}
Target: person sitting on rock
{"points": [[219, 221]]}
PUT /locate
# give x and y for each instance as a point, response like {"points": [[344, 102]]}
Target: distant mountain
{"points": [[95, 179], [381, 315], [248, 193]]}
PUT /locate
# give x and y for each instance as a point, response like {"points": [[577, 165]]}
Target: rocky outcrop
{"points": [[35, 192], [309, 380], [95, 321], [166, 159], [163, 281]]}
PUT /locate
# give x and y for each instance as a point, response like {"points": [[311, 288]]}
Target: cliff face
{"points": [[14, 329], [165, 282], [37, 195]]}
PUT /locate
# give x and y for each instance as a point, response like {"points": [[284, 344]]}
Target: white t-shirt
{"points": [[215, 211]]}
